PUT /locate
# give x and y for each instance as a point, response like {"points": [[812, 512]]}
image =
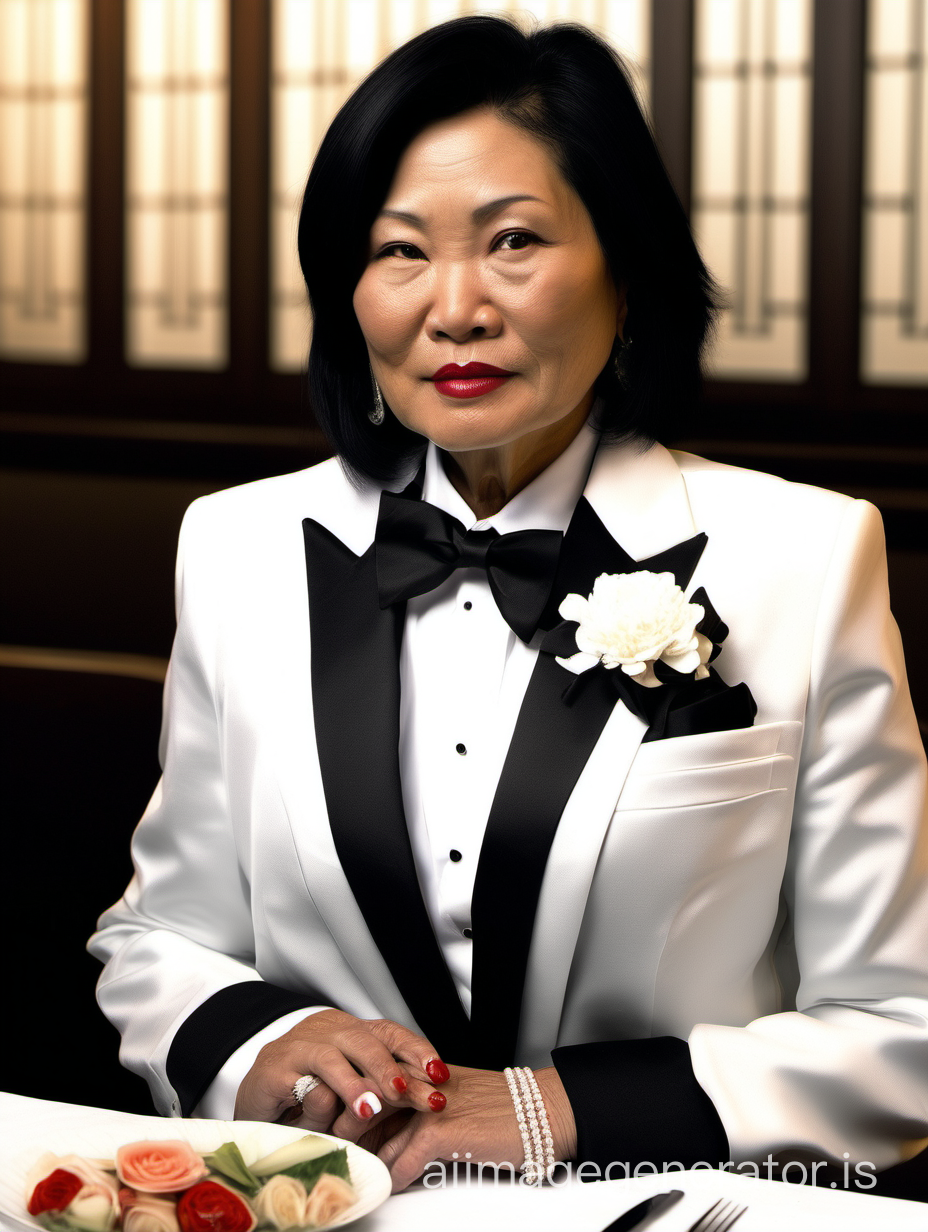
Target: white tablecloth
{"points": [[573, 1207]]}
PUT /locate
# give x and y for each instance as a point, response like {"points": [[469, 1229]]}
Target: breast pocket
{"points": [[686, 771]]}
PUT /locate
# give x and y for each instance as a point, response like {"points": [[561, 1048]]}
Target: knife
{"points": [[644, 1210]]}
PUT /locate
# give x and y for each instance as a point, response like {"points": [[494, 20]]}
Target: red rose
{"points": [[55, 1192], [212, 1207]]}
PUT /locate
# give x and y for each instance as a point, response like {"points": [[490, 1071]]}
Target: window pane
{"points": [[177, 139], [43, 174], [751, 179], [894, 322], [320, 50]]}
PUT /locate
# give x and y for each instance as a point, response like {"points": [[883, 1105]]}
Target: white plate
{"points": [[369, 1176]]}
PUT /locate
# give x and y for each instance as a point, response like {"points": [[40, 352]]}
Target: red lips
{"points": [[469, 380]]}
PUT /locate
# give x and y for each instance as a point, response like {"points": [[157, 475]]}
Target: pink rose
{"points": [[159, 1167], [142, 1212]]}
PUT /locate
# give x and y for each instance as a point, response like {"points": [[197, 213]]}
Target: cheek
{"points": [[366, 309], [383, 315], [575, 317]]}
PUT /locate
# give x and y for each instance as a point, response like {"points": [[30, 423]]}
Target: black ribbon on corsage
{"points": [[681, 705]]}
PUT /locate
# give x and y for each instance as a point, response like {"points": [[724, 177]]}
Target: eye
{"points": [[408, 252], [513, 240]]}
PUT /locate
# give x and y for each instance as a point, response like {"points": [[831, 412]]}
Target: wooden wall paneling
{"points": [[834, 259], [672, 89], [248, 201], [106, 230]]}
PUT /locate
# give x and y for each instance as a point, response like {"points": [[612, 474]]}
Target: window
{"points": [[43, 177], [894, 325], [156, 150]]}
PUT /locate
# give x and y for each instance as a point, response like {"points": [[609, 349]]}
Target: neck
{"points": [[487, 479]]}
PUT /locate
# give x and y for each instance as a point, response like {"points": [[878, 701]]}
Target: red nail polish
{"points": [[365, 1110], [438, 1071], [399, 1084], [437, 1101]]}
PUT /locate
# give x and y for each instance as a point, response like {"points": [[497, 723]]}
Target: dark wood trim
{"points": [[249, 176], [672, 90], [106, 212], [835, 232]]}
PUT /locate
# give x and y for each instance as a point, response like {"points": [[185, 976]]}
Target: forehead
{"points": [[478, 153]]}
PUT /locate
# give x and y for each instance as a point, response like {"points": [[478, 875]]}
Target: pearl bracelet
{"points": [[546, 1135], [520, 1115], [532, 1119]]}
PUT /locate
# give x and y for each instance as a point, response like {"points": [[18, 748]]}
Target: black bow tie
{"points": [[418, 546]]}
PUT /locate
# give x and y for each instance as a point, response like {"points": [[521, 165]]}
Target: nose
{"points": [[461, 310]]}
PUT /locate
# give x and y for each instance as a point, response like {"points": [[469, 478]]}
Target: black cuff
{"points": [[219, 1026], [638, 1102]]}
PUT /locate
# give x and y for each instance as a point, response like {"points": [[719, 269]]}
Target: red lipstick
{"points": [[469, 380]]}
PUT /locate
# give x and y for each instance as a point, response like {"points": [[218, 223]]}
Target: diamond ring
{"points": [[303, 1086]]}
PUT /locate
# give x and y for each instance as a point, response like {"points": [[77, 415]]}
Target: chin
{"points": [[459, 433]]}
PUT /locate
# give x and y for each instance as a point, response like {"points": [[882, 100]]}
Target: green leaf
{"points": [[310, 1170], [228, 1162]]}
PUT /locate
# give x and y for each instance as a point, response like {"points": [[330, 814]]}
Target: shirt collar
{"points": [[547, 503]]}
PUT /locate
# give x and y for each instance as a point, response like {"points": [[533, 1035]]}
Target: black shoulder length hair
{"points": [[567, 87]]}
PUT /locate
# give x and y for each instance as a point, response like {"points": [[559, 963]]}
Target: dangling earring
{"points": [[376, 413]]}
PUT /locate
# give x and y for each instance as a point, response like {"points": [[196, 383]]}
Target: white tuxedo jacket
{"points": [[760, 892]]}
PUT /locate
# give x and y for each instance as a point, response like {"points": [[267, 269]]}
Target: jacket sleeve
{"points": [[179, 981]]}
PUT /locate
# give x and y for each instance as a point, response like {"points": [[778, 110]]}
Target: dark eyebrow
{"points": [[479, 216]]}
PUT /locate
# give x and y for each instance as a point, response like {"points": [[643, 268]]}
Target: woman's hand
{"points": [[397, 1070], [479, 1125]]}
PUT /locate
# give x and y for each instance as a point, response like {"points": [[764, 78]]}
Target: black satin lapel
{"points": [[589, 550], [356, 700], [551, 744]]}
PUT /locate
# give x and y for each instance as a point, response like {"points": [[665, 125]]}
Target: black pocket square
{"points": [[696, 707]]}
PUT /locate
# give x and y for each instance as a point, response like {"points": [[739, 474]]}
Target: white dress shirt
{"points": [[451, 760]]}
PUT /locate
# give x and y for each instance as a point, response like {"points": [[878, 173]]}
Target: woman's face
{"points": [[483, 254]]}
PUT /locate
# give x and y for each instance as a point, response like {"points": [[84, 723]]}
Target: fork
{"points": [[719, 1218]]}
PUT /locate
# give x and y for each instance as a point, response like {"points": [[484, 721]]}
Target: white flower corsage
{"points": [[632, 621]]}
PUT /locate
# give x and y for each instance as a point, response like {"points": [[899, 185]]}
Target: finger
{"points": [[347, 1125], [334, 1066], [362, 1046], [406, 1154], [318, 1110], [264, 1094], [373, 1139], [410, 1151], [412, 1048], [382, 1076], [420, 1094]]}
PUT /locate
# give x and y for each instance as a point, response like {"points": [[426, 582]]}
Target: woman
{"points": [[487, 822]]}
